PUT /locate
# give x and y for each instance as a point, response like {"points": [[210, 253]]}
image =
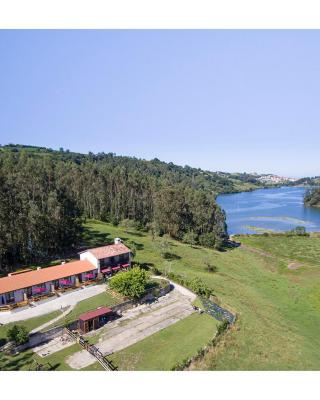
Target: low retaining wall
{"points": [[35, 339], [38, 338]]}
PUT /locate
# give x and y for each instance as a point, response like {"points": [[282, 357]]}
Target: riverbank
{"points": [[271, 209]]}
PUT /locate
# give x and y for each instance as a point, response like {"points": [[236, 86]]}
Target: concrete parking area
{"points": [[135, 325], [54, 345]]}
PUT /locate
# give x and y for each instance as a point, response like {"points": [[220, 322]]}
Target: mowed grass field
{"points": [[164, 349], [278, 309], [30, 324]]}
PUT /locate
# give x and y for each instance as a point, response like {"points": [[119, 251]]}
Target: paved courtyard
{"points": [[51, 304], [137, 324], [54, 345]]}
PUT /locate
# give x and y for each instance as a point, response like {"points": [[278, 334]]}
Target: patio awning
{"points": [[65, 281], [106, 270], [39, 290], [90, 275], [115, 268], [125, 265]]}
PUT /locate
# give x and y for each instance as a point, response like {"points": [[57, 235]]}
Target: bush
{"points": [[199, 287], [210, 267], [222, 327], [207, 240], [18, 334], [195, 284], [132, 283], [190, 238]]}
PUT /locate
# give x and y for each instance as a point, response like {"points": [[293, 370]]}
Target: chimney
{"points": [[9, 274], [117, 241], [38, 268], [63, 262]]}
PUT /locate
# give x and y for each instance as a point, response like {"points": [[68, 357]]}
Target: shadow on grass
{"points": [[138, 246], [92, 237], [171, 256], [145, 266], [15, 363], [139, 234]]}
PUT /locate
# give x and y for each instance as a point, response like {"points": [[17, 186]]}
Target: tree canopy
{"points": [[312, 198], [18, 334], [45, 195], [132, 283]]}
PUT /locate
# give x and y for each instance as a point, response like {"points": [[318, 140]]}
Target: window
{"points": [[9, 297]]}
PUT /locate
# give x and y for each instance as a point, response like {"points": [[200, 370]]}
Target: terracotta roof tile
{"points": [[27, 279], [109, 251]]}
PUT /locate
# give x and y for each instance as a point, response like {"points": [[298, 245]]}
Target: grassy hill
{"points": [[278, 308]]}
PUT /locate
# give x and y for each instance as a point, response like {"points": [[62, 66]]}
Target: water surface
{"points": [[276, 209]]}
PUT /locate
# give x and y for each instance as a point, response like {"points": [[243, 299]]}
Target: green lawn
{"points": [[30, 324], [303, 249], [103, 299], [162, 350], [27, 360], [278, 309]]}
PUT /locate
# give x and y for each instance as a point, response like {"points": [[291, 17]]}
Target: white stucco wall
{"points": [[90, 257]]}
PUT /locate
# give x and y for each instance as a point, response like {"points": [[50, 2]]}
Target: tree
{"points": [[132, 283], [190, 238], [207, 239], [18, 334], [199, 287], [44, 196], [300, 231]]}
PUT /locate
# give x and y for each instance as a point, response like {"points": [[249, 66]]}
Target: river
{"points": [[274, 209]]}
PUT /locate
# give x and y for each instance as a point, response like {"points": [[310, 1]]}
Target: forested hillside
{"points": [[312, 198], [46, 194], [313, 181]]}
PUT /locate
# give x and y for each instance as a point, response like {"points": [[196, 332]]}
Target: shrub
{"points": [[199, 287], [195, 284], [207, 239], [210, 267], [18, 334], [222, 327], [190, 238], [132, 283]]}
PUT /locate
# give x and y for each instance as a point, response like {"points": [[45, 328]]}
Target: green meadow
{"points": [[164, 349], [278, 309]]}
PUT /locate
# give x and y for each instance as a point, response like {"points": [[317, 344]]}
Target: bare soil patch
{"points": [[294, 265]]}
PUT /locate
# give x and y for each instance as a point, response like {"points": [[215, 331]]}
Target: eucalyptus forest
{"points": [[46, 195]]}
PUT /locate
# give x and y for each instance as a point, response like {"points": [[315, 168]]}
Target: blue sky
{"points": [[219, 100]]}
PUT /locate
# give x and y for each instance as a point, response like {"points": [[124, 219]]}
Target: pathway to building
{"points": [[136, 324], [66, 300], [52, 321]]}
